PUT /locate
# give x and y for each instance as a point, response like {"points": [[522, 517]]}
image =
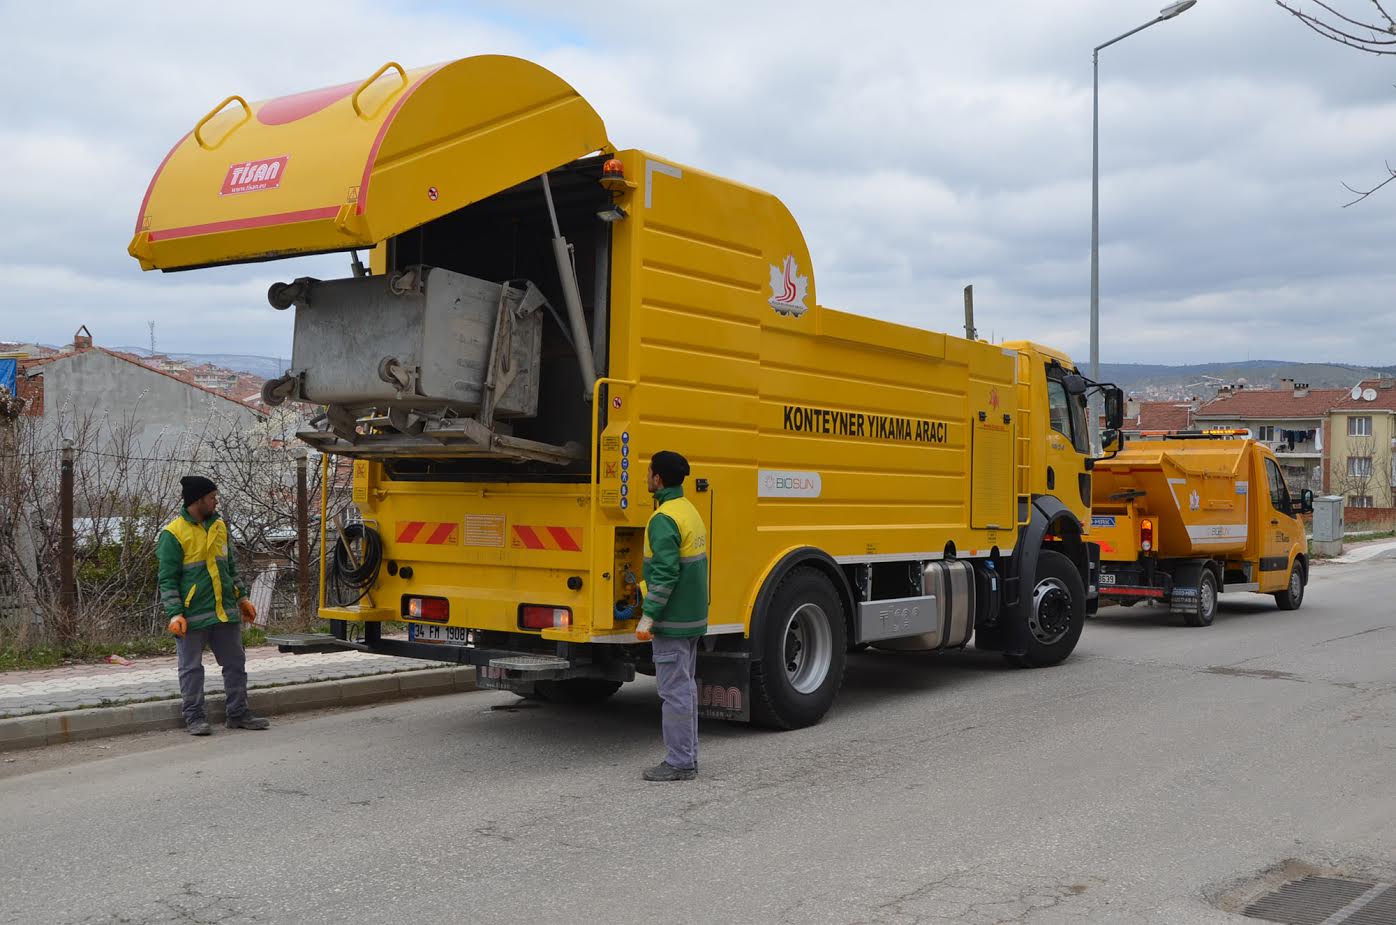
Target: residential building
{"points": [[1141, 416], [118, 391], [1292, 421], [1364, 458]]}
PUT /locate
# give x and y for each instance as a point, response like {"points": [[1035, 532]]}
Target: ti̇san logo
{"points": [[251, 176]]}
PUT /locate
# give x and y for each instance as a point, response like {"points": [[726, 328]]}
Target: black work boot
{"points": [[199, 727], [247, 721], [666, 772]]}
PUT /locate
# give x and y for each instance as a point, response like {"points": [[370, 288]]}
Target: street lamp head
{"points": [[1173, 9]]}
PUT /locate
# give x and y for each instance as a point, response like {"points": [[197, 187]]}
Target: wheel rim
{"points": [[1208, 597], [808, 648], [1296, 586], [1051, 611]]}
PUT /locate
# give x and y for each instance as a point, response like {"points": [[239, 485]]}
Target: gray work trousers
{"points": [[225, 639], [674, 663]]}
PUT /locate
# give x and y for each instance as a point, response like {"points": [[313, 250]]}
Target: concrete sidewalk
{"points": [[43, 706]]}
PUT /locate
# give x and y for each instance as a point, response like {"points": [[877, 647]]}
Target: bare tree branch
{"points": [[1371, 44], [1363, 194]]}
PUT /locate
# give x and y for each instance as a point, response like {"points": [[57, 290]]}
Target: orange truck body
{"points": [[1184, 517]]}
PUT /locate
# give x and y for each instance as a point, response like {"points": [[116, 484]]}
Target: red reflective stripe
{"points": [[140, 216], [407, 532], [382, 132], [238, 224], [1116, 591], [442, 533], [529, 538], [565, 539]]}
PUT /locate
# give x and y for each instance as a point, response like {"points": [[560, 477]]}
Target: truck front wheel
{"points": [[1293, 594], [1206, 600], [1055, 613], [804, 647]]}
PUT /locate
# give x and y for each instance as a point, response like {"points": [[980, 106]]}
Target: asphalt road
{"points": [[1139, 782]]}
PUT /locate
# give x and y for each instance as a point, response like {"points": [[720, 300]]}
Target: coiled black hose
{"points": [[348, 577]]}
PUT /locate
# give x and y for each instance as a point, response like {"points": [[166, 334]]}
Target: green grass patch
{"points": [[14, 655]]}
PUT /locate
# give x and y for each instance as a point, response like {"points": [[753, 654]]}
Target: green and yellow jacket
{"points": [[676, 566], [197, 577]]}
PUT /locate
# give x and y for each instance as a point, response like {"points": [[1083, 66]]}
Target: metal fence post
{"points": [[303, 606], [67, 589]]}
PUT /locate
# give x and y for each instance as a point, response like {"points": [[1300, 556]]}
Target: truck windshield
{"points": [[1067, 414]]}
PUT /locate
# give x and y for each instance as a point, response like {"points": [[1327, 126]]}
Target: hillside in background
{"points": [[265, 367], [1202, 380]]}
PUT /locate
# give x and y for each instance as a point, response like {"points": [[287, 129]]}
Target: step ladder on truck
{"points": [[540, 313], [1183, 516]]}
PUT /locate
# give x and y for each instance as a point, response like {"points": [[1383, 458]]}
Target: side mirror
{"points": [[1074, 383], [1305, 504], [1112, 440], [1114, 408]]}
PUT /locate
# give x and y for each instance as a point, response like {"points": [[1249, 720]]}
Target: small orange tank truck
{"points": [[543, 310], [1183, 516]]}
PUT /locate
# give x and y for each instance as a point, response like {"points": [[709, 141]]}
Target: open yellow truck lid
{"points": [[352, 165]]}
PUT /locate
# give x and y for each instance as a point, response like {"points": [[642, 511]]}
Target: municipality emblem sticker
{"points": [[788, 288]]}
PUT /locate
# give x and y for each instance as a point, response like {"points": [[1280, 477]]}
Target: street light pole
{"points": [[1167, 12]]}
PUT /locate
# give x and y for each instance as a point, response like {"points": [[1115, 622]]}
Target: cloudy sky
{"points": [[921, 145]]}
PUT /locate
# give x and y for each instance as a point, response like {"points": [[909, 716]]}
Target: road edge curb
{"points": [[19, 732]]}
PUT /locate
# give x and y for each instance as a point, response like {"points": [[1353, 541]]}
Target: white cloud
{"points": [[921, 146]]}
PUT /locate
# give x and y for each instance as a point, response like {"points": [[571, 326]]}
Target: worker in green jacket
{"points": [[199, 587], [675, 611]]}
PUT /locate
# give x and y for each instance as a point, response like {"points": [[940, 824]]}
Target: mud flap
{"points": [[1092, 578], [1182, 598], [724, 685]]}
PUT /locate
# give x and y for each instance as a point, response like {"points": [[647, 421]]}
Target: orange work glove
{"points": [[644, 630], [179, 626], [248, 610]]}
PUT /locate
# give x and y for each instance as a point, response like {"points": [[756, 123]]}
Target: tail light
{"points": [[436, 609], [1146, 534], [535, 617]]}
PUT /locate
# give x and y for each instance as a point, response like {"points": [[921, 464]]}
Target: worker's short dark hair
{"points": [[671, 468]]}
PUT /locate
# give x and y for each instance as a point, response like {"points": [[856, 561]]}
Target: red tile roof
{"points": [[1385, 400], [1271, 404], [28, 364], [1161, 415]]}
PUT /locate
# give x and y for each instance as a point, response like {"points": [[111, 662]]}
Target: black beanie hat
{"points": [[194, 487], [671, 468]]}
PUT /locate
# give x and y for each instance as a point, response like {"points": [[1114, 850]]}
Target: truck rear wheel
{"points": [[800, 671], [575, 690], [1206, 600], [1055, 613], [1293, 594]]}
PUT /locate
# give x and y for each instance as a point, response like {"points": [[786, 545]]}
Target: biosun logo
{"points": [[251, 176], [780, 484], [788, 288]]}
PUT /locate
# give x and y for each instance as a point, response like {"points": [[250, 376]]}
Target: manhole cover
{"points": [[1327, 901]]}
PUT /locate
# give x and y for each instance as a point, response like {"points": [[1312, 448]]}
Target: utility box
{"points": [[1328, 525]]}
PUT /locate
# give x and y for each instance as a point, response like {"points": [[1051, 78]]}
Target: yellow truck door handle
{"points": [[247, 114], [354, 100], [1274, 523]]}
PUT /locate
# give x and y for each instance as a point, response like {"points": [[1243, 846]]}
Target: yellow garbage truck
{"points": [[541, 312], [1183, 516]]}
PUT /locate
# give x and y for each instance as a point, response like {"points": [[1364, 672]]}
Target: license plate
{"points": [[450, 635], [1104, 579]]}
